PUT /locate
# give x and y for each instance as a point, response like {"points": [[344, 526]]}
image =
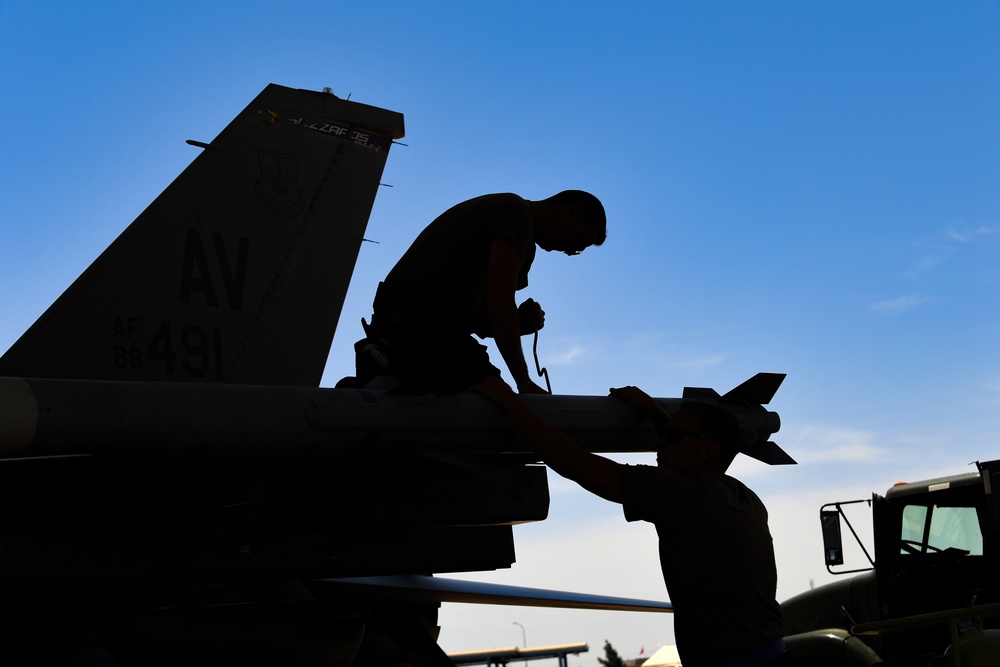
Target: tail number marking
{"points": [[195, 351], [196, 278]]}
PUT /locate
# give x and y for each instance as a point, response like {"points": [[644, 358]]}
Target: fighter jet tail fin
{"points": [[238, 271]]}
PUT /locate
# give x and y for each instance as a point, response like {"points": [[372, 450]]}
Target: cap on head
{"points": [[736, 437], [750, 396]]}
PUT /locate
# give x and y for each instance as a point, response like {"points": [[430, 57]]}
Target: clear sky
{"points": [[808, 188]]}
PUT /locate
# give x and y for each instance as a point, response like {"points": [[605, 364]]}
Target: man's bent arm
{"points": [[595, 473], [501, 284]]}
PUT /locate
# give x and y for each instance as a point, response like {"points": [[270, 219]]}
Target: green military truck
{"points": [[929, 596]]}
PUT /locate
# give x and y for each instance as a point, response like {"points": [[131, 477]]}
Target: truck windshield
{"points": [[930, 529]]}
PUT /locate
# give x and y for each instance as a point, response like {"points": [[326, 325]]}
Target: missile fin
{"points": [[770, 453], [699, 392], [758, 389]]}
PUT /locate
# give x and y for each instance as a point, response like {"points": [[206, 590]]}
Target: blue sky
{"points": [[808, 188]]}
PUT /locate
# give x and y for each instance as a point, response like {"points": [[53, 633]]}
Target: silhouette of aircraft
{"points": [[174, 483]]}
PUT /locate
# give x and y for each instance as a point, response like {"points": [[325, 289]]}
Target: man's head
{"points": [[570, 222], [699, 437]]}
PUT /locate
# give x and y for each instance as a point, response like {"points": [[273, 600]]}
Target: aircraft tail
{"points": [[238, 271]]}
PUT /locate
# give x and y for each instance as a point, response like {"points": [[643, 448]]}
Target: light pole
{"points": [[524, 639]]}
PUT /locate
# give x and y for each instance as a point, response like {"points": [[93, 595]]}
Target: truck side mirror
{"points": [[990, 472], [833, 545]]}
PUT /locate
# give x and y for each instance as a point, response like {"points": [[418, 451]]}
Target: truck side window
{"points": [[937, 528]]}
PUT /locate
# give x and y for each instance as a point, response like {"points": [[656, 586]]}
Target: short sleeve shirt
{"points": [[717, 559], [444, 272]]}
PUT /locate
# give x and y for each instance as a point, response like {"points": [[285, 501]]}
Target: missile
{"points": [[50, 418]]}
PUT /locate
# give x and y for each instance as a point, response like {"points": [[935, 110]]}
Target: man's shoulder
{"points": [[506, 204], [490, 201], [674, 483], [485, 209], [745, 493]]}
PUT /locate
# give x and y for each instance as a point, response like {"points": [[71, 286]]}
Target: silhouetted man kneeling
{"points": [[459, 277]]}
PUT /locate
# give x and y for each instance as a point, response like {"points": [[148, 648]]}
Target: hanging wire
{"points": [[542, 372]]}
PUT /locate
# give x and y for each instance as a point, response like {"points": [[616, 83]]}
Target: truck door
{"points": [[938, 561]]}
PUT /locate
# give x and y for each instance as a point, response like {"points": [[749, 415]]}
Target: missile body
{"points": [[44, 417]]}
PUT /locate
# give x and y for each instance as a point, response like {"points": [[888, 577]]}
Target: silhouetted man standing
{"points": [[715, 547], [459, 277]]}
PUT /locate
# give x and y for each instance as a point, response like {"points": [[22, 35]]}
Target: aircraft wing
{"points": [[419, 588]]}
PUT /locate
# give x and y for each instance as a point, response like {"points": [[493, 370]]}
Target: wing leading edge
{"points": [[419, 588]]}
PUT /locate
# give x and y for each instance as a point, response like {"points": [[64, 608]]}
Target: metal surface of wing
{"points": [[436, 589]]}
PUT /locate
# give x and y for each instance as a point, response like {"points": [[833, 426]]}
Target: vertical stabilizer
{"points": [[238, 271]]}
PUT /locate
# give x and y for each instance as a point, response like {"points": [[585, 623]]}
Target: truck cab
{"points": [[933, 577]]}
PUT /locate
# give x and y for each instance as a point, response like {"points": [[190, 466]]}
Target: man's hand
{"points": [[643, 402], [495, 389], [637, 398], [529, 387], [530, 316]]}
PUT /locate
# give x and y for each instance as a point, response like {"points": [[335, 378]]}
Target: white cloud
{"points": [[924, 264], [567, 350], [943, 246], [694, 362], [569, 355], [968, 235], [831, 444], [669, 356], [898, 304], [644, 350]]}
